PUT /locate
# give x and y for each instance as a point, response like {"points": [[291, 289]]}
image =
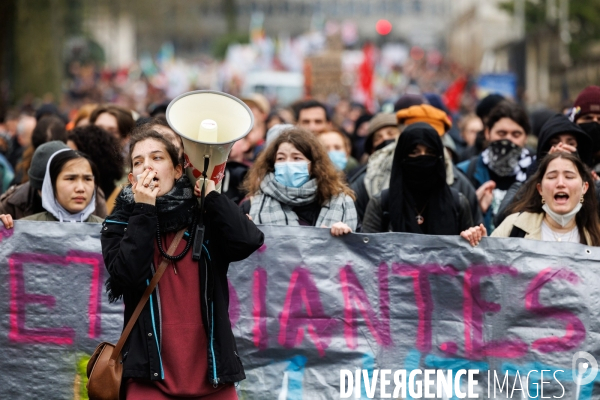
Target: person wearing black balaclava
{"points": [[418, 200], [505, 160]]}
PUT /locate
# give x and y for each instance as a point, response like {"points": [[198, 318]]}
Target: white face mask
{"points": [[562, 219]]}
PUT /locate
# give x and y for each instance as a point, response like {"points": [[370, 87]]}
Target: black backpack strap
{"points": [[517, 232], [456, 203], [385, 207], [471, 171]]}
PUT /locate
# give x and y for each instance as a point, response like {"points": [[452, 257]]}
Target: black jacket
{"points": [[128, 250], [376, 220]]}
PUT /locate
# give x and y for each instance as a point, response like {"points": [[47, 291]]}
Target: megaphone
{"points": [[209, 122]]}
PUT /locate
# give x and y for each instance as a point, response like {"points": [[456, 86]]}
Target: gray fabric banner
{"points": [[307, 306]]}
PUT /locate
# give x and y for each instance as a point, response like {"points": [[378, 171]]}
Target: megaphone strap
{"points": [[187, 245]]}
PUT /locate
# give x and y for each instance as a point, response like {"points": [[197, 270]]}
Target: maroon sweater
{"points": [[184, 344]]}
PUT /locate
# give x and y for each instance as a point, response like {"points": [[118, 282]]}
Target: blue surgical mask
{"points": [[339, 159], [292, 174]]}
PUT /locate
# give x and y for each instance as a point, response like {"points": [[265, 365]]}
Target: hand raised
{"points": [[146, 189], [485, 195]]}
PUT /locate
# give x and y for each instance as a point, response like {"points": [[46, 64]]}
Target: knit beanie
{"points": [[39, 162], [425, 113], [409, 100], [587, 102]]}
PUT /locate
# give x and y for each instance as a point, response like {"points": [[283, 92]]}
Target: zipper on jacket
{"points": [[110, 221], [215, 380], [212, 327], [162, 372]]}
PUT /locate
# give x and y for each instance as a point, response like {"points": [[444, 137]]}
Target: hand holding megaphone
{"points": [[209, 123], [210, 186]]}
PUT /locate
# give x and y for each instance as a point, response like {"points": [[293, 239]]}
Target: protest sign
{"points": [[309, 310]]}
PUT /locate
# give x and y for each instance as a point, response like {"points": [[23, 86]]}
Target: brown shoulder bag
{"points": [[105, 367]]}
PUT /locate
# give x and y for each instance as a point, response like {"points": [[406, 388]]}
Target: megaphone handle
{"points": [[199, 235]]}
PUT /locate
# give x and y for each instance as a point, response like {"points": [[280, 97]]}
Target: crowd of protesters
{"points": [[420, 169]]}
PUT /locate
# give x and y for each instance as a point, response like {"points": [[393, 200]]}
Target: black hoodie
{"points": [[557, 125]]}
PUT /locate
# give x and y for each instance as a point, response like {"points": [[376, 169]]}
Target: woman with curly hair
{"points": [[103, 149], [293, 182]]}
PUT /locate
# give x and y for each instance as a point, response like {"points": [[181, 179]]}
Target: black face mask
{"points": [[383, 144], [419, 173], [504, 157], [593, 129]]}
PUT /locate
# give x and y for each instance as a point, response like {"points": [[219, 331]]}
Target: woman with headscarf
{"points": [[68, 190], [418, 200]]}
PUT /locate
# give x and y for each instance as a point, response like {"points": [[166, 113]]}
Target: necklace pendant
{"points": [[420, 219]]}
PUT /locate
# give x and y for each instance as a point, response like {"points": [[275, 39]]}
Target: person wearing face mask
{"points": [[338, 149], [68, 190], [558, 134], [586, 114], [557, 206], [294, 182], [419, 199], [383, 131], [378, 172], [505, 160]]}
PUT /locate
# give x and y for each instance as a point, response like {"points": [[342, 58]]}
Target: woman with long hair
{"points": [[167, 353], [557, 205], [293, 182]]}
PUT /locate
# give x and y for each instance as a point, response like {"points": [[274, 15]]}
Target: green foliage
{"points": [[220, 46], [584, 18], [585, 24]]}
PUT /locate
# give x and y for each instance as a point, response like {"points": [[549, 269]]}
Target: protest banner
{"points": [[309, 310]]}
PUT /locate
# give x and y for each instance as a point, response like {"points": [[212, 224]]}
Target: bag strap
{"points": [[136, 313], [385, 207]]}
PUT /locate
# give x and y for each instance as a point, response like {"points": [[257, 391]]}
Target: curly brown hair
{"points": [[329, 181], [587, 217]]}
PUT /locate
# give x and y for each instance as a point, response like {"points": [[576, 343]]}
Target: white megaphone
{"points": [[209, 122]]}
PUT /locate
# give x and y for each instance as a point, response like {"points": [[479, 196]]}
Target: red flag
{"points": [[454, 93], [365, 76]]}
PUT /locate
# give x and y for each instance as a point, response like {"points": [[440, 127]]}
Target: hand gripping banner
{"points": [[316, 317]]}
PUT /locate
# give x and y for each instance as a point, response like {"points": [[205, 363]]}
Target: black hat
{"points": [[487, 104], [560, 124]]}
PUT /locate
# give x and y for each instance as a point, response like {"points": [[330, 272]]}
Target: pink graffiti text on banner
{"points": [[574, 329], [354, 294], [234, 305], [302, 290], [259, 308], [420, 276], [19, 298], [5, 233], [473, 310]]}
